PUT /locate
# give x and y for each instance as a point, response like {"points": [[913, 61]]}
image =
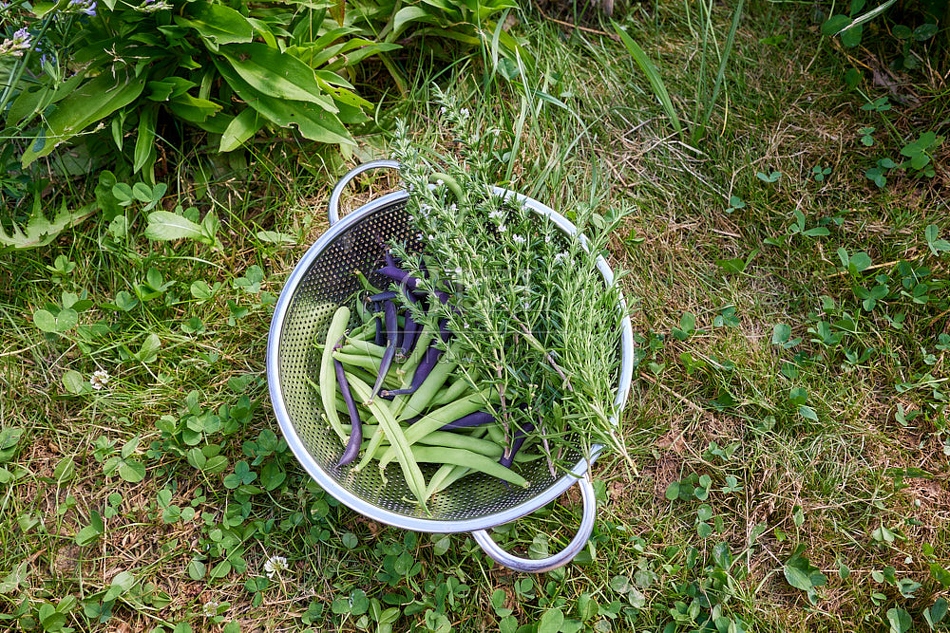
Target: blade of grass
{"points": [[653, 76], [720, 74]]}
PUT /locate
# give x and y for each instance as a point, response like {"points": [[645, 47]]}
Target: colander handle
{"points": [[334, 205], [557, 560]]}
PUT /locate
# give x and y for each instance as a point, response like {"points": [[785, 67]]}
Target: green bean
{"points": [[419, 401], [362, 361], [365, 283], [461, 457], [391, 429], [445, 476], [455, 391], [365, 348], [497, 434], [328, 387], [449, 439], [435, 420], [363, 312]]}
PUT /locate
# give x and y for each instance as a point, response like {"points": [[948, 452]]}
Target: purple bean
{"points": [[467, 421], [386, 295], [400, 276], [356, 431], [425, 367]]}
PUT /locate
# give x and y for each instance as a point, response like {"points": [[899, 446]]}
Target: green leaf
{"points": [[148, 353], [131, 470], [781, 333], [407, 15], [313, 122], [93, 101], [193, 109], [797, 577], [835, 24], [808, 413], [935, 614], [40, 230], [899, 620], [120, 585], [653, 76], [62, 321], [12, 581], [164, 225], [218, 23], [551, 621], [276, 74], [241, 129], [144, 156], [75, 383]]}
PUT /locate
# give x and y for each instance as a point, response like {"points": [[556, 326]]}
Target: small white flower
{"points": [[560, 257], [518, 239], [274, 565], [439, 182], [497, 214], [210, 609], [99, 379], [502, 228], [443, 110], [464, 113]]}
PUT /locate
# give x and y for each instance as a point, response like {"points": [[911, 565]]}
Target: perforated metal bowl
{"points": [[321, 282]]}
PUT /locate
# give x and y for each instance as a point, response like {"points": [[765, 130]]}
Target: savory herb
{"points": [[529, 310]]}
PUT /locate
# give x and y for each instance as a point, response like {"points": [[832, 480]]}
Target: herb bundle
{"points": [[530, 312]]}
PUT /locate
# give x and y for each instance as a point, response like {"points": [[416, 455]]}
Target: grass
{"points": [[810, 463]]}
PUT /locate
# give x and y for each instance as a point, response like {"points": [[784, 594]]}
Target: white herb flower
{"points": [[274, 565], [99, 379], [464, 113], [210, 609], [560, 257], [502, 228], [518, 239], [497, 214]]}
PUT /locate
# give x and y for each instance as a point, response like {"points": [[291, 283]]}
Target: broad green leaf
{"points": [[93, 101], [74, 382], [12, 581], [132, 471], [781, 333], [121, 584], [164, 225], [218, 23], [312, 121], [149, 350], [145, 140], [551, 621], [193, 109], [241, 129], [808, 413], [797, 577], [40, 230], [407, 15], [835, 24], [65, 320], [276, 74], [899, 620]]}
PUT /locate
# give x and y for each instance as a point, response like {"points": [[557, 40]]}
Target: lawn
{"points": [[786, 264]]}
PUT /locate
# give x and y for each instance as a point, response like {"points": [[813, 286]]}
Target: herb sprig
{"points": [[529, 309]]}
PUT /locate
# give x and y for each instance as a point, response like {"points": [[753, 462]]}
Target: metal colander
{"points": [[323, 281]]}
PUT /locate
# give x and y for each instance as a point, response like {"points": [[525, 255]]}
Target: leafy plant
{"points": [[210, 66]]}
